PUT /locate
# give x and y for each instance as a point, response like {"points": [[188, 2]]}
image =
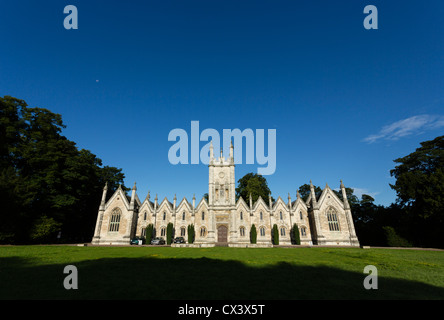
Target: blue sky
{"points": [[345, 101]]}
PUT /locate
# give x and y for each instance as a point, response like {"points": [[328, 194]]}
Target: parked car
{"points": [[136, 241], [158, 240], [179, 240]]}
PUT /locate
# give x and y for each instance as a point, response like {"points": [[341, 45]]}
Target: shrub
{"points": [[170, 233], [275, 235], [45, 230], [295, 234], [253, 234], [394, 239], [191, 233], [149, 232]]}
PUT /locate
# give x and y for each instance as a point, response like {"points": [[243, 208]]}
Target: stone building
{"points": [[224, 221]]}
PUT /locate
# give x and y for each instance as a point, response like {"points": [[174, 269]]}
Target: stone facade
{"points": [[223, 220]]}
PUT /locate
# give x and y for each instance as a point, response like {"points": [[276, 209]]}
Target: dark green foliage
{"points": [[304, 191], [253, 234], [169, 233], [45, 230], [296, 239], [149, 233], [393, 239], [420, 190], [275, 235], [253, 184], [190, 233], [46, 183]]}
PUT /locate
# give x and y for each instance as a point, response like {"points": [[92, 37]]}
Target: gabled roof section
{"points": [[328, 191], [260, 201], [121, 193], [298, 202], [241, 202], [136, 198], [184, 202], [202, 203], [167, 203], [279, 200]]}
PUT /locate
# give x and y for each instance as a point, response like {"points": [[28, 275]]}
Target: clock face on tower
{"points": [[221, 175]]}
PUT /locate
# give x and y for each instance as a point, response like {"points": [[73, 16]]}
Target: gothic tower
{"points": [[221, 197], [221, 188]]}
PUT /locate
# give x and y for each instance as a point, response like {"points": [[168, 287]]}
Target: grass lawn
{"points": [[36, 272]]}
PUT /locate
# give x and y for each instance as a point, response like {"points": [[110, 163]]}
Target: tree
{"points": [[191, 233], [420, 190], [352, 199], [45, 230], [393, 239], [304, 191], [275, 235], [170, 233], [44, 179], [295, 234], [149, 232], [253, 234], [253, 184]]}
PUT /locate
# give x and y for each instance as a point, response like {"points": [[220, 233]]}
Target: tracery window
{"points": [[115, 220], [332, 218], [242, 231], [203, 232]]}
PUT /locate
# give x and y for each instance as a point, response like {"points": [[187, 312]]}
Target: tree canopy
{"points": [[254, 184], [420, 189], [47, 185]]}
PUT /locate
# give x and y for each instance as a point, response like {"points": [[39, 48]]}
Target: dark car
{"points": [[179, 240], [158, 240], [137, 240]]}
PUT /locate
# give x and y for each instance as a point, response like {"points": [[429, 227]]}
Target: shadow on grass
{"points": [[150, 278]]}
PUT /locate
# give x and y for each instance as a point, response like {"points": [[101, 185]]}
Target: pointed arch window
{"points": [[300, 214], [242, 231], [261, 216], [164, 216], [114, 222], [183, 215], [203, 215], [280, 215], [282, 231], [182, 232], [144, 215], [203, 232], [332, 217], [303, 231], [241, 215], [262, 231], [163, 232]]}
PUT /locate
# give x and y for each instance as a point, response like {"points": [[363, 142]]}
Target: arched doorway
{"points": [[222, 234]]}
